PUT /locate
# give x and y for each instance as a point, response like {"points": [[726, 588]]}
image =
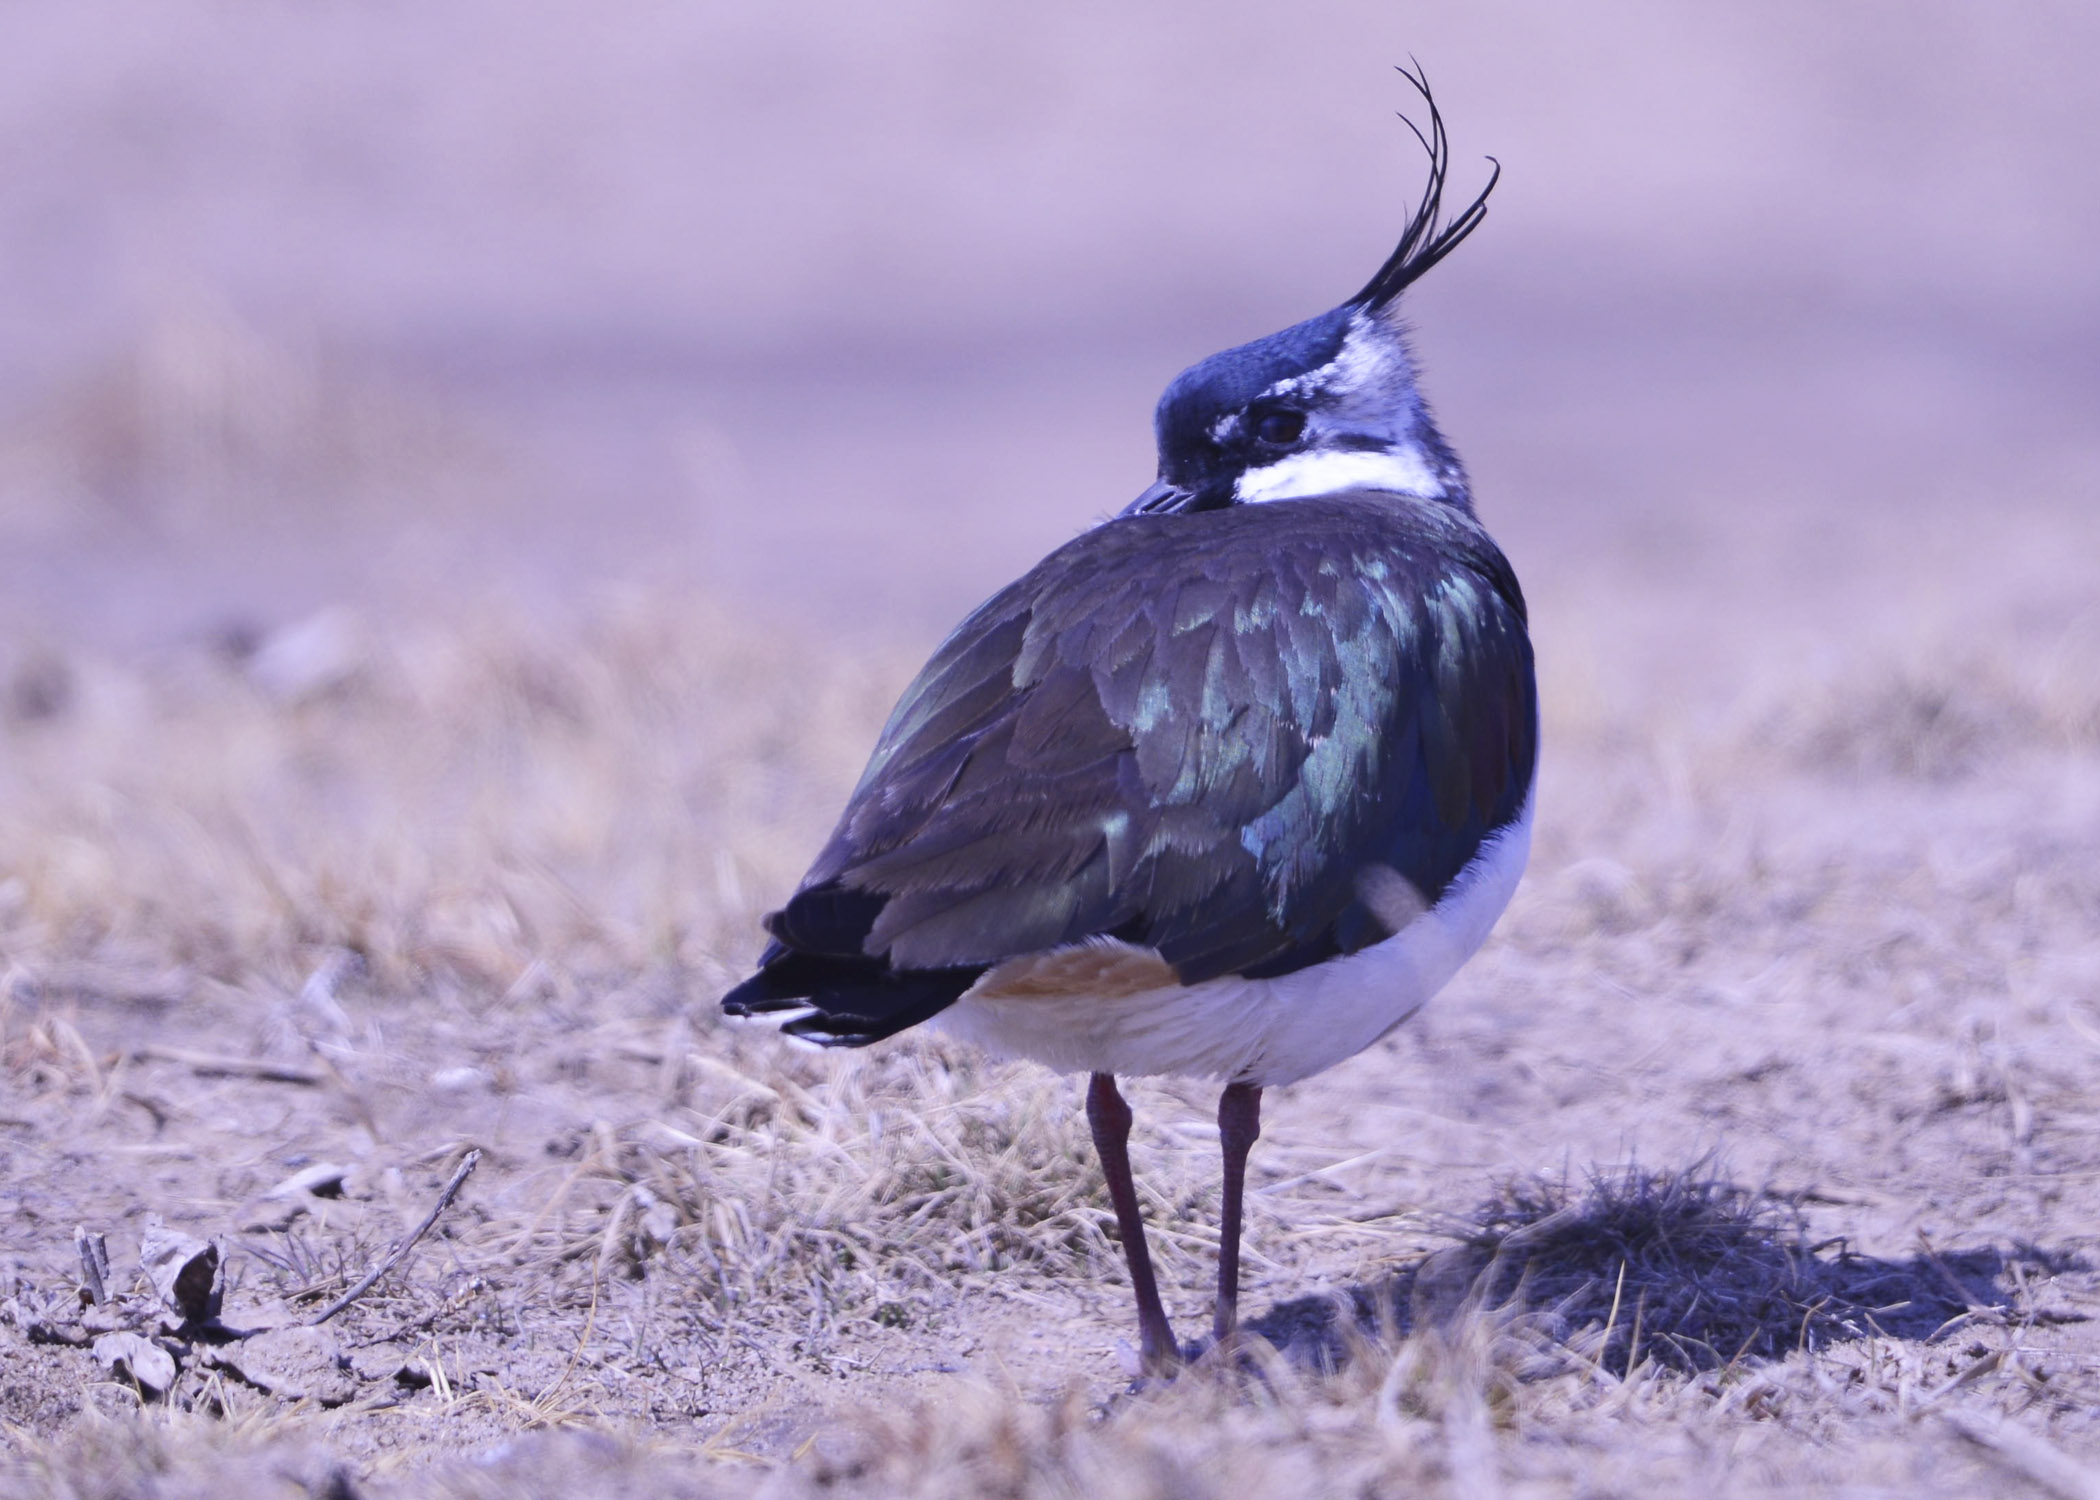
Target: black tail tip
{"points": [[758, 996], [840, 1002]]}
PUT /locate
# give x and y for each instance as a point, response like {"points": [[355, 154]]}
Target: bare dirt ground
{"points": [[295, 923]]}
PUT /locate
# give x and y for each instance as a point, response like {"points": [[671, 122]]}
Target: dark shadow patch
{"points": [[1679, 1268]]}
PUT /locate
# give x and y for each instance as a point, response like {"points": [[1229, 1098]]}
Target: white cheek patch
{"points": [[1404, 470]]}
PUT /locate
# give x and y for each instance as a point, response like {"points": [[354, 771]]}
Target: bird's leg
{"points": [[1239, 1124], [1110, 1118]]}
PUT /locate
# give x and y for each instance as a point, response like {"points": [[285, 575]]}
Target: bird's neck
{"points": [[1426, 470]]}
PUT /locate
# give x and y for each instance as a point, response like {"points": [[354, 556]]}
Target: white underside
{"points": [[1260, 1031]]}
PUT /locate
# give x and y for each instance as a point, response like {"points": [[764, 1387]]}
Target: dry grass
{"points": [[1948, 716], [1462, 1412], [373, 897], [203, 419]]}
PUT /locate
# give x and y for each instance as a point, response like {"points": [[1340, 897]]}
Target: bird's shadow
{"points": [[1678, 1268]]}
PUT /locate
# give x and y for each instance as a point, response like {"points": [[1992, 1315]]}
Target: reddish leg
{"points": [[1110, 1118], [1239, 1125]]}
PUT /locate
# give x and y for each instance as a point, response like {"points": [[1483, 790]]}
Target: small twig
{"points": [[403, 1245], [94, 1263], [209, 1065]]}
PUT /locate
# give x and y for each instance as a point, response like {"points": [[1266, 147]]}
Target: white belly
{"points": [[1260, 1031]]}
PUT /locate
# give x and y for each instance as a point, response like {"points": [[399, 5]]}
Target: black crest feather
{"points": [[1423, 243]]}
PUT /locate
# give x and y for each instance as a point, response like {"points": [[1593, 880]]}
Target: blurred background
{"points": [[849, 313]]}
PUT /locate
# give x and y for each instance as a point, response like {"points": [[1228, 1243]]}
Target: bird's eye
{"points": [[1279, 429]]}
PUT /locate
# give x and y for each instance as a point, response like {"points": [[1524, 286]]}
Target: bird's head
{"points": [[1328, 405]]}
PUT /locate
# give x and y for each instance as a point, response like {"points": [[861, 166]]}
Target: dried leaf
{"points": [[185, 1271], [324, 1179], [137, 1359], [283, 1205]]}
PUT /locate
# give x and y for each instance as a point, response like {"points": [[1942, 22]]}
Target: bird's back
{"points": [[1212, 740]]}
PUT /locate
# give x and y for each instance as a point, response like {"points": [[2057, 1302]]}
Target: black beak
{"points": [[1160, 498], [1165, 499]]}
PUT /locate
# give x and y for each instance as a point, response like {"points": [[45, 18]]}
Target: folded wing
{"points": [[1192, 733]]}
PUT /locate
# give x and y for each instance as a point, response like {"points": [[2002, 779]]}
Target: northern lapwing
{"points": [[1227, 786]]}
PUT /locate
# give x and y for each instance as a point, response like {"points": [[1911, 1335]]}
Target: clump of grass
{"points": [[1679, 1268], [130, 1456], [1930, 728], [820, 1191], [1942, 719]]}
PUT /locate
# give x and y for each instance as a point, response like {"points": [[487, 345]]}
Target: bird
{"points": [[1227, 786]]}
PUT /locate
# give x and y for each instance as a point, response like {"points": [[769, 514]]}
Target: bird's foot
{"points": [[1236, 1352], [1148, 1370]]}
